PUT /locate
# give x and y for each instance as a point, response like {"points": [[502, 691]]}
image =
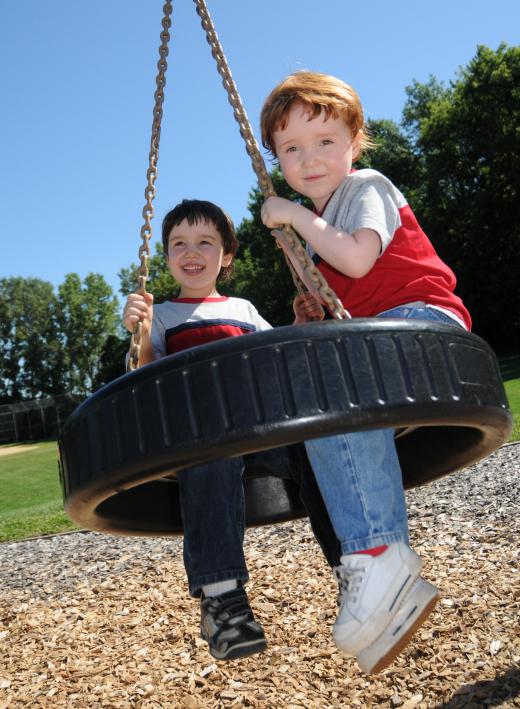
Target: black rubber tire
{"points": [[437, 384]]}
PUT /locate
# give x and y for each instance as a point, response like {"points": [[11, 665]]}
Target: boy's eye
{"points": [[326, 141], [176, 244], [291, 149]]}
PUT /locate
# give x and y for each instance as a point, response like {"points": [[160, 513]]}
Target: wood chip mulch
{"points": [[90, 621]]}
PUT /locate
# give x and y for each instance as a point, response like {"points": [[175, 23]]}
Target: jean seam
{"points": [[355, 479]]}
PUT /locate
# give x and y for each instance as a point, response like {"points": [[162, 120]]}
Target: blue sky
{"points": [[77, 83]]}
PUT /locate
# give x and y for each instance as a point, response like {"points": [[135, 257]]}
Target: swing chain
{"points": [[286, 235], [151, 176]]}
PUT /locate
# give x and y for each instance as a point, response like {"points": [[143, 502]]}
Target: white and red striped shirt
{"points": [[186, 322]]}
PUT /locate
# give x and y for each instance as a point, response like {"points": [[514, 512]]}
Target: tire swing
{"points": [[120, 450]]}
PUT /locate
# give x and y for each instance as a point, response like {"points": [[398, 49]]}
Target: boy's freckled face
{"points": [[195, 257], [315, 156]]}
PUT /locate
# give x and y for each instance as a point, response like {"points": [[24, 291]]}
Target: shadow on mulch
{"points": [[488, 693]]}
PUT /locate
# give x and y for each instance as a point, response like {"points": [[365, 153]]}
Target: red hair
{"points": [[315, 92]]}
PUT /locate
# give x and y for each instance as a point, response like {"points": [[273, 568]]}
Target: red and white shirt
{"points": [[186, 322], [408, 269]]}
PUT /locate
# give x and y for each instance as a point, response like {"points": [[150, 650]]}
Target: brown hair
{"points": [[198, 210], [315, 92]]}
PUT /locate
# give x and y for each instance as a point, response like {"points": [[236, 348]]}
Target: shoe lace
{"points": [[350, 579]]}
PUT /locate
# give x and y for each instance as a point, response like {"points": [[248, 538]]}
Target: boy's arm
{"points": [[352, 254], [139, 308]]}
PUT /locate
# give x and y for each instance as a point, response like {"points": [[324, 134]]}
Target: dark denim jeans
{"points": [[213, 512], [212, 505]]}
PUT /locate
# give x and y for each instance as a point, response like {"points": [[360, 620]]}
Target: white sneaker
{"points": [[414, 610], [378, 594]]}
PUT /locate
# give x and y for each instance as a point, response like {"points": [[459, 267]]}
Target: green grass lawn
{"points": [[31, 502], [510, 369]]}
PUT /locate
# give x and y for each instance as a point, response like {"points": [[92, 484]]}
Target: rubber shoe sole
{"points": [[415, 609], [235, 651]]}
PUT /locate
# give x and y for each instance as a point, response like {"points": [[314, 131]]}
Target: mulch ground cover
{"points": [[90, 620]]}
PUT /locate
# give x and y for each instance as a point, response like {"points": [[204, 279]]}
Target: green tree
{"points": [[421, 98], [261, 273], [394, 156], [30, 355], [468, 139], [87, 314], [112, 360]]}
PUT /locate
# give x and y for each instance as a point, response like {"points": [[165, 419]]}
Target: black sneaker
{"points": [[228, 625]]}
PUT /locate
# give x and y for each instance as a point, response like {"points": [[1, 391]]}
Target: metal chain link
{"points": [[151, 176], [287, 237]]}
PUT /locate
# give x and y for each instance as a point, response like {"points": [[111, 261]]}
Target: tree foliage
{"points": [[87, 314], [111, 362], [394, 156], [30, 357], [468, 139], [51, 343]]}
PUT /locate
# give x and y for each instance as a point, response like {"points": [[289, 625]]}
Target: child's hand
{"points": [[277, 211], [306, 309], [138, 308]]}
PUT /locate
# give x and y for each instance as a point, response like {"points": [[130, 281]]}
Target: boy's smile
{"points": [[195, 257], [315, 155]]}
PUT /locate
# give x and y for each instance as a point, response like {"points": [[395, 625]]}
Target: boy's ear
{"points": [[356, 147], [226, 260]]}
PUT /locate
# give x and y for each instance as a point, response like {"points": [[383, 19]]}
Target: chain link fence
{"points": [[35, 420]]}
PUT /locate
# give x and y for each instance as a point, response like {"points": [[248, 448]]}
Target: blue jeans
{"points": [[212, 506], [359, 473]]}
